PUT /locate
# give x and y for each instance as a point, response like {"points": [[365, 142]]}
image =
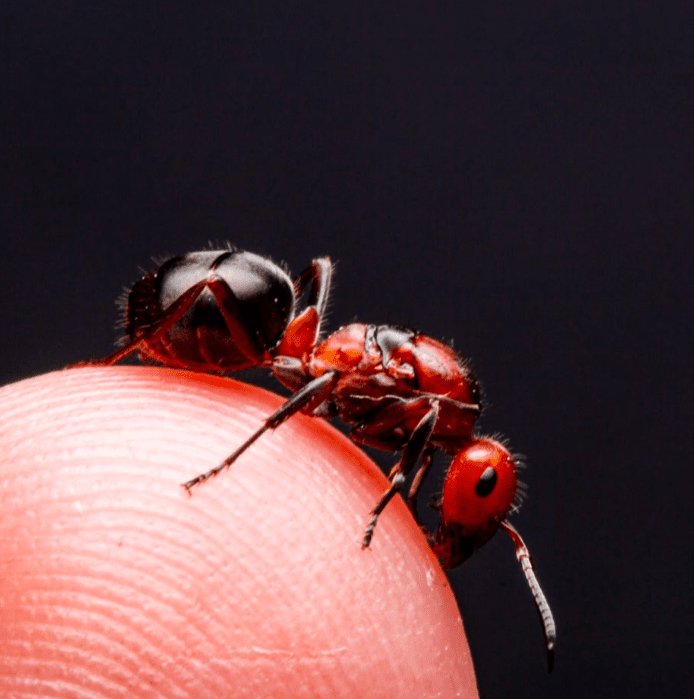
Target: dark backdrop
{"points": [[516, 176]]}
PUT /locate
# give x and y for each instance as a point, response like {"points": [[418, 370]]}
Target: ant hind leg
{"points": [[168, 318], [303, 332]]}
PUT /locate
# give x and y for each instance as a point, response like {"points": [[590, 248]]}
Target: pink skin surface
{"points": [[114, 581]]}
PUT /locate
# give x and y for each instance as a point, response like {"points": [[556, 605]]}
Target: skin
{"points": [[115, 581]]}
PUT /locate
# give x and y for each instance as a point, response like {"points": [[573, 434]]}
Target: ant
{"points": [[397, 389]]}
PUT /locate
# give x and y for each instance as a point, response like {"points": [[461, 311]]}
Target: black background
{"points": [[516, 176]]}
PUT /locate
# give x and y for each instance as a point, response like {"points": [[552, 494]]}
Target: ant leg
{"points": [[302, 333], [427, 459], [320, 273], [413, 450], [170, 316], [541, 604], [379, 429], [228, 306], [114, 358], [313, 393]]}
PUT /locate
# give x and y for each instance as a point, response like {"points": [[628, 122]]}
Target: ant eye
{"points": [[486, 483]]}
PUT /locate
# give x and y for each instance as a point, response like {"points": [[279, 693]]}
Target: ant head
{"points": [[480, 490], [478, 493]]}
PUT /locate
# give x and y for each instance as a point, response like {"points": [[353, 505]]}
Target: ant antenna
{"points": [[541, 603]]}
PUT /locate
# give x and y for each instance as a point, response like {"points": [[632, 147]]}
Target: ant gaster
{"points": [[397, 389]]}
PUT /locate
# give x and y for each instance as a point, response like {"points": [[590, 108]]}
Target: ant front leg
{"points": [[414, 449], [427, 460], [313, 394]]}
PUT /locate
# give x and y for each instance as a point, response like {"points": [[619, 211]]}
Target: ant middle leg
{"points": [[313, 394], [414, 449]]}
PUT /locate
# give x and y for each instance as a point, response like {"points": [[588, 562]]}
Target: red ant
{"points": [[224, 310]]}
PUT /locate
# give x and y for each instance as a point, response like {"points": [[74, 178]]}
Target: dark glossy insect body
{"points": [[216, 311], [397, 389], [222, 310]]}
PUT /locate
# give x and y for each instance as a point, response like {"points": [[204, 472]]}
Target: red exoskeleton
{"points": [[397, 389]]}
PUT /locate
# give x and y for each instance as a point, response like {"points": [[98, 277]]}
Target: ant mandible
{"points": [[399, 390]]}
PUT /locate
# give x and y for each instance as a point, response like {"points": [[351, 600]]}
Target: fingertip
{"points": [[254, 583]]}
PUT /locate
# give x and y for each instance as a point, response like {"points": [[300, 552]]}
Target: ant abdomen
{"points": [[217, 310]]}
